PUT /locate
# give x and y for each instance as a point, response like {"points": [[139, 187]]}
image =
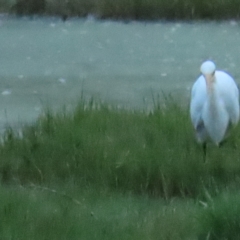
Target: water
{"points": [[45, 61]]}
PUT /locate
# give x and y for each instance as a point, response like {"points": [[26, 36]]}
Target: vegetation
{"points": [[127, 9], [34, 213], [100, 172], [221, 219]]}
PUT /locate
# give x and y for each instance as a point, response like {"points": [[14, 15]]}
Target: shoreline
{"points": [[133, 10]]}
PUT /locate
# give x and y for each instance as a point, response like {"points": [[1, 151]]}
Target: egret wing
{"points": [[198, 98]]}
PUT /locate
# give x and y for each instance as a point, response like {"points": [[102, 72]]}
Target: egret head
{"points": [[208, 69]]}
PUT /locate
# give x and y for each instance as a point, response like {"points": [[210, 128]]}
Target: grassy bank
{"points": [[68, 212], [99, 172], [121, 150], [127, 9]]}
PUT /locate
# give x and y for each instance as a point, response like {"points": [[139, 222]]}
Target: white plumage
{"points": [[214, 104]]}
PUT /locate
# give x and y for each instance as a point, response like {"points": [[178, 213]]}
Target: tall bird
{"points": [[214, 104]]}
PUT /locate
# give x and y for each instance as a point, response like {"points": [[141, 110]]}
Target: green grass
{"points": [[122, 150], [32, 213], [221, 219], [127, 9], [99, 172]]}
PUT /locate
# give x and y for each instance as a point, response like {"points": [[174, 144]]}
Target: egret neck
{"points": [[215, 121], [211, 94]]}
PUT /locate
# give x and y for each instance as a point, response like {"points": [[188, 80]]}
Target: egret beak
{"points": [[209, 80]]}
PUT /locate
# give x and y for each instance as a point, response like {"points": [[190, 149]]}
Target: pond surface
{"points": [[45, 61]]}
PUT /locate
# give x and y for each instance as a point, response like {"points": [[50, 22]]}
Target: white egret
{"points": [[214, 104]]}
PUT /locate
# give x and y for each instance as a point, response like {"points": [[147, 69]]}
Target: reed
{"points": [[123, 150]]}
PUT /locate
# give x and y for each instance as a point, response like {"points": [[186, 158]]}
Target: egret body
{"points": [[214, 105]]}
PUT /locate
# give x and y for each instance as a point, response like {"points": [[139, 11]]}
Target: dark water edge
{"points": [[126, 9]]}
